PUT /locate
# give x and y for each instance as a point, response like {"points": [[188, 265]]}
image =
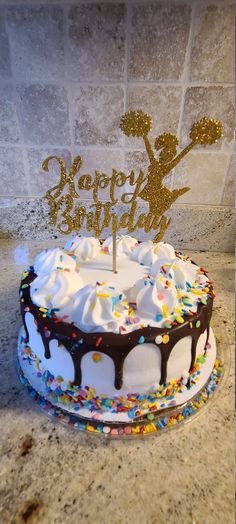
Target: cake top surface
{"points": [[154, 286]]}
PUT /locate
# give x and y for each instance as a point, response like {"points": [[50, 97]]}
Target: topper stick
{"points": [[114, 251]]}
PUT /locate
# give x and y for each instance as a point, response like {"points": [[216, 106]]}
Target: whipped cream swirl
{"points": [[84, 248], [56, 291], [124, 245], [50, 259], [147, 253], [99, 307], [154, 298]]}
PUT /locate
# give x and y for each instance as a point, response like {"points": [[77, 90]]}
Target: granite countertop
{"points": [[51, 474]]}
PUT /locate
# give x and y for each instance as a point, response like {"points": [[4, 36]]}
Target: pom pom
{"points": [[206, 131], [136, 123]]}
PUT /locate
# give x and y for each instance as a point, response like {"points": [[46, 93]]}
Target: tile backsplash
{"points": [[69, 69]]}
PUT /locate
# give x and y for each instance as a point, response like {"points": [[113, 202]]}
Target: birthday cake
{"points": [[116, 346]]}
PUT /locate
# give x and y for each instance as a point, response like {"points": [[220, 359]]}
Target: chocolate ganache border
{"points": [[116, 346]]}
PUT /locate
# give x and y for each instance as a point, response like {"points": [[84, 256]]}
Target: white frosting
{"points": [[182, 271], [84, 248], [99, 307], [124, 245], [51, 259], [148, 253], [56, 290], [167, 286], [151, 294]]}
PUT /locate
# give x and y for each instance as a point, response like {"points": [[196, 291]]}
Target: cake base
{"points": [[166, 414]]}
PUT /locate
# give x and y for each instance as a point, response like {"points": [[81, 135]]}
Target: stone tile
{"points": [[137, 161], [5, 69], [9, 130], [204, 173], [213, 101], [229, 189], [36, 34], [192, 227], [212, 57], [93, 160], [161, 103], [158, 41], [103, 162], [97, 112], [40, 180], [96, 41], [12, 177], [44, 114]]}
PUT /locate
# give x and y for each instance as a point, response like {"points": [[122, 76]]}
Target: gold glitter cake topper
{"points": [[148, 187]]}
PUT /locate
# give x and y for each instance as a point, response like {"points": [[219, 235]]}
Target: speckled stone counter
{"points": [[51, 474]]}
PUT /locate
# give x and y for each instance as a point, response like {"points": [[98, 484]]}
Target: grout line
{"points": [[126, 83], [102, 147], [67, 82], [86, 201], [185, 79], [186, 69], [125, 79], [62, 82], [225, 178]]}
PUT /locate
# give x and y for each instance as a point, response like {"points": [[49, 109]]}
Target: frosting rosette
{"points": [[84, 248], [56, 291], [183, 273], [99, 307], [124, 245], [154, 298], [147, 253], [51, 259]]}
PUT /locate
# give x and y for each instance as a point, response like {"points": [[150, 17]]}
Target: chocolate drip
{"points": [[164, 360], [193, 352], [118, 373], [77, 365], [116, 346], [26, 329], [208, 334], [46, 341]]}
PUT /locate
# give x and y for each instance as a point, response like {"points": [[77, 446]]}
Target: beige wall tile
{"points": [[97, 111], [12, 180], [103, 162], [96, 41], [161, 103], [39, 180], [214, 102], [158, 40], [136, 161], [229, 189], [9, 129], [5, 67], [36, 42], [212, 57], [93, 160], [204, 173], [44, 114]]}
